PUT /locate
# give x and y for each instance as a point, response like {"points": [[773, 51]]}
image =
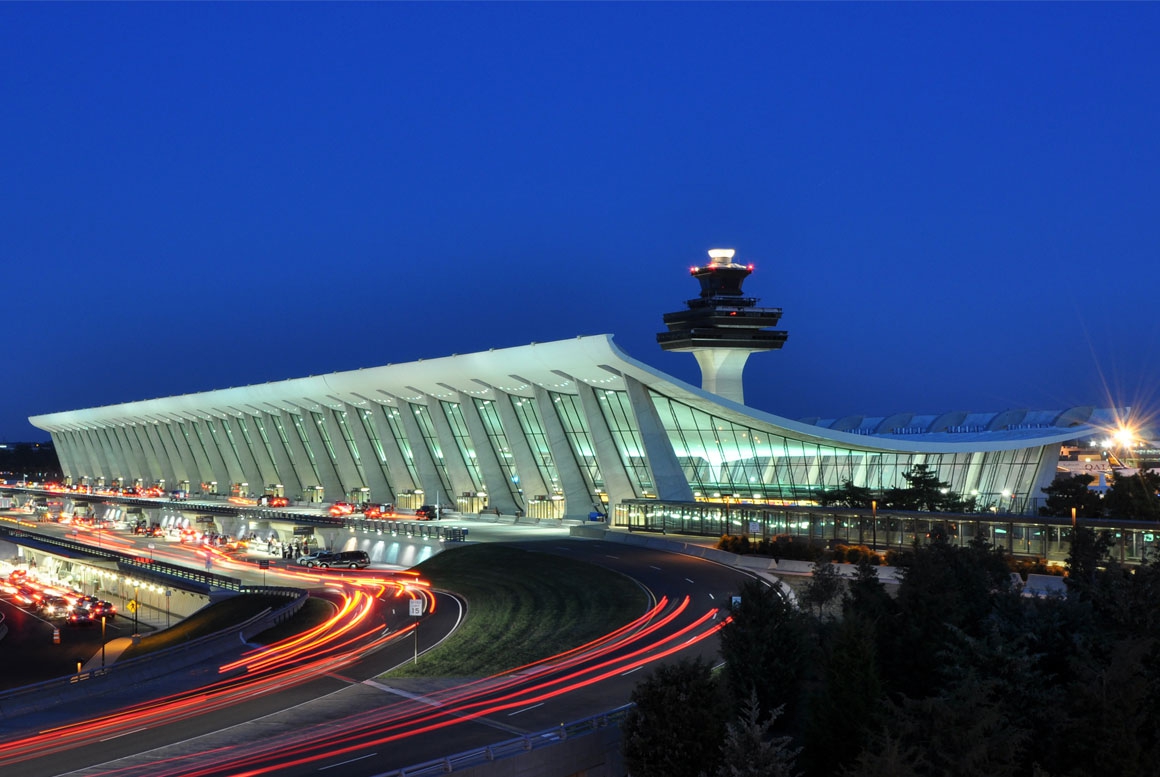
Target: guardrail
{"points": [[514, 747]]}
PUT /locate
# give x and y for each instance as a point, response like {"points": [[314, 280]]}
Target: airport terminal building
{"points": [[556, 430]]}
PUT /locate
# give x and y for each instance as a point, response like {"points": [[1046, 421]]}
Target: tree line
{"points": [[954, 673]]}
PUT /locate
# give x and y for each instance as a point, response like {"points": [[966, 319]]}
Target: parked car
{"points": [[351, 559], [341, 508], [315, 559]]}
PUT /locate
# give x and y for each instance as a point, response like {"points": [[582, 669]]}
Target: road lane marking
{"points": [[404, 694], [687, 580], [654, 567], [127, 733], [712, 597], [525, 709], [630, 671], [344, 763], [609, 555]]}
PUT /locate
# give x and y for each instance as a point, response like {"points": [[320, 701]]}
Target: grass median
{"points": [[522, 606]]}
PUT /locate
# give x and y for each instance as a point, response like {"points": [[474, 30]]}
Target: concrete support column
{"points": [[63, 450], [401, 479], [264, 467], [349, 472], [203, 467], [453, 460], [668, 476], [251, 474], [229, 457], [430, 478], [107, 461], [376, 480], [167, 472], [299, 455], [335, 487], [289, 475], [131, 447], [178, 470], [617, 484], [217, 464]]}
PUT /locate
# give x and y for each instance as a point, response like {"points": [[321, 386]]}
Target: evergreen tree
{"points": [[1066, 493], [843, 710], [823, 587], [924, 491], [677, 724], [767, 647], [750, 749], [1134, 496], [1088, 553]]}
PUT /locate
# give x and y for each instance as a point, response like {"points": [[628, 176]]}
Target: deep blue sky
{"points": [[957, 206]]}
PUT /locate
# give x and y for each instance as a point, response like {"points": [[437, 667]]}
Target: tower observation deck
{"points": [[722, 326]]}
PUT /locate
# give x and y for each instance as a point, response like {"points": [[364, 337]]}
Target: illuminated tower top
{"points": [[722, 326]]}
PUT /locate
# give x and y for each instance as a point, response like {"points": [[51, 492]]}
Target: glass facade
{"points": [[567, 407], [427, 430], [622, 424], [723, 459], [529, 418], [455, 420], [489, 415]]}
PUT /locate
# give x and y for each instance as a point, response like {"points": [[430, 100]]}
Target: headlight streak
{"points": [[340, 641], [338, 738]]}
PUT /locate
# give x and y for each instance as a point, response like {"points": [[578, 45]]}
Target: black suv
{"points": [[354, 559], [427, 513]]}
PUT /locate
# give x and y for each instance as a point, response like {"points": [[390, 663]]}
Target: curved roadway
{"points": [[343, 719]]}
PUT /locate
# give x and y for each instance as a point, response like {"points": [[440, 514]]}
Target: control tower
{"points": [[722, 326]]}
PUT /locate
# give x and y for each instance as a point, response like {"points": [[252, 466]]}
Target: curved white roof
{"points": [[556, 366]]}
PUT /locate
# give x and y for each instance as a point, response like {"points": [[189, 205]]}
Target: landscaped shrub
{"points": [[852, 554], [1035, 566]]}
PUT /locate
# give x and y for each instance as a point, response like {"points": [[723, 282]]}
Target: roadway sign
{"points": [[56, 636], [416, 607], [263, 563], [131, 605]]}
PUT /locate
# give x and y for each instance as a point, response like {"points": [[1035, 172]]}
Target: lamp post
{"points": [[136, 606], [874, 522], [103, 642]]}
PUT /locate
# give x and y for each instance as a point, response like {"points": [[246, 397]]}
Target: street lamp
{"points": [[103, 642], [874, 521]]}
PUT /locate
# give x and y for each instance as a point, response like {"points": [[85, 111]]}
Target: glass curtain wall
{"points": [[529, 418], [351, 447], [454, 414], [576, 430], [369, 427], [499, 445], [617, 410], [726, 460], [394, 420], [427, 429]]}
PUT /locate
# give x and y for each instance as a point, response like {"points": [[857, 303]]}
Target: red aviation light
{"points": [[749, 267]]}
